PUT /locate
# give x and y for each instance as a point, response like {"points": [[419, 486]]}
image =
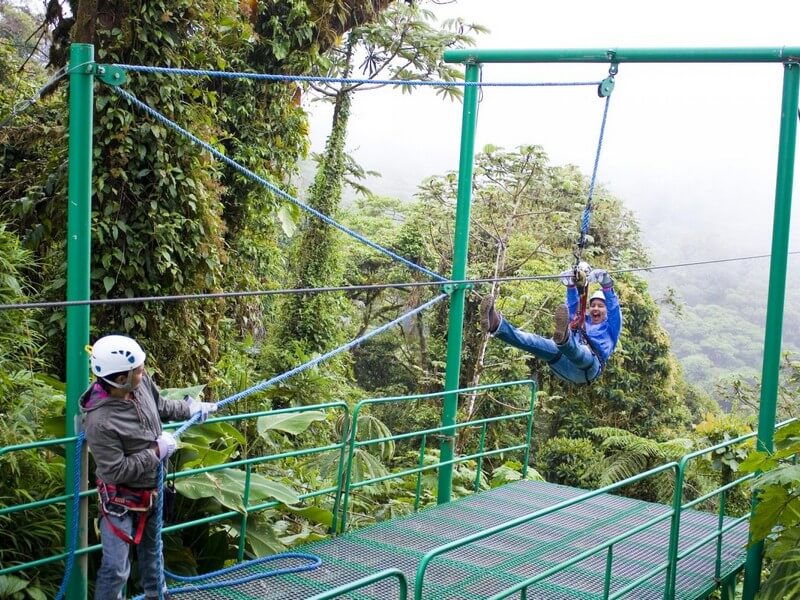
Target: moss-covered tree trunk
{"points": [[166, 218], [311, 324]]}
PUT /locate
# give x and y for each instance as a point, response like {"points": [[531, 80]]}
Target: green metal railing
{"points": [[789, 58], [82, 74], [402, 583], [448, 430], [346, 447], [340, 491], [243, 464], [669, 566]]}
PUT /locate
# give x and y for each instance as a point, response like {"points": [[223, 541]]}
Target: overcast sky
{"points": [[694, 144]]}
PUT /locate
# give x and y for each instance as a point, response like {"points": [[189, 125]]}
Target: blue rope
{"points": [[324, 79], [265, 384], [73, 541], [76, 499], [159, 526], [270, 186], [242, 394], [316, 561], [587, 211]]}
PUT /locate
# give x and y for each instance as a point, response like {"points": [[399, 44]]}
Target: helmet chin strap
{"points": [[127, 386]]}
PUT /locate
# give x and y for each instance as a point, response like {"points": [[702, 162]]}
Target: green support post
{"points": [[455, 326], [777, 292], [79, 215]]}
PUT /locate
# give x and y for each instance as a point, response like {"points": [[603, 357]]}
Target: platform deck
{"points": [[490, 565]]}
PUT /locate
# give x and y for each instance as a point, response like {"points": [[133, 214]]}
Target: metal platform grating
{"points": [[491, 565]]}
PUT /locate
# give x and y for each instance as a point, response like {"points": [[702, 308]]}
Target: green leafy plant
{"points": [[569, 461], [776, 518]]}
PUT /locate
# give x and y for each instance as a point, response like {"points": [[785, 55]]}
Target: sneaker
{"points": [[561, 334], [490, 318]]}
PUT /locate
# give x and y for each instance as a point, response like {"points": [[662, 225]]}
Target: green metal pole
{"points": [[620, 55], [469, 121], [777, 291], [79, 217]]}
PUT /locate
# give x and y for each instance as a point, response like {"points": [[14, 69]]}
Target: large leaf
{"points": [[10, 585], [261, 538], [293, 423], [785, 475], [304, 537], [771, 503], [207, 433], [366, 466], [209, 444], [783, 581], [227, 487], [195, 391], [314, 514]]}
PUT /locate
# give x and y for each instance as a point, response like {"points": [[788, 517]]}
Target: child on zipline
{"points": [[572, 355], [122, 413]]}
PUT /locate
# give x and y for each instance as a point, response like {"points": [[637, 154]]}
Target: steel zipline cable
{"points": [[351, 288], [22, 106]]}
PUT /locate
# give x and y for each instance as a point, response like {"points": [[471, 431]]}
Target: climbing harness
{"points": [[119, 500]]}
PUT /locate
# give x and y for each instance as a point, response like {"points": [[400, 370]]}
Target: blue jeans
{"points": [[572, 361], [116, 565]]}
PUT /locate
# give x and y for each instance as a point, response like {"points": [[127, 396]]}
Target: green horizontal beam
{"points": [[630, 55]]}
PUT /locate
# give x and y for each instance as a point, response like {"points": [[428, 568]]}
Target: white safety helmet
{"points": [[598, 295], [116, 354]]}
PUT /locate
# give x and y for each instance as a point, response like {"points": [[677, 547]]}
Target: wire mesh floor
{"points": [[496, 563]]}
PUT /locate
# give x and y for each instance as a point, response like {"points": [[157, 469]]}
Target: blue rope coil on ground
{"points": [[314, 562]]}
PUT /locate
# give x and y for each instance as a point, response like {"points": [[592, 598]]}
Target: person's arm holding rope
{"points": [[573, 298]]}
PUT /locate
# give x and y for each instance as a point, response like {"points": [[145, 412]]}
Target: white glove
{"points": [[204, 408], [602, 277], [167, 444], [568, 276]]}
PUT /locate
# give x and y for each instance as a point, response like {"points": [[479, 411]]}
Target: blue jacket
{"points": [[603, 336]]}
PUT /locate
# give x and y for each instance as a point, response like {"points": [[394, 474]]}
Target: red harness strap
{"points": [[117, 500]]}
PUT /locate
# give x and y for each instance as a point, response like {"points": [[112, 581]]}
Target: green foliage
{"points": [[742, 393], [27, 401], [402, 42], [722, 466], [227, 487], [569, 462], [13, 587], [166, 219], [776, 518], [511, 471], [784, 555], [627, 455], [290, 423], [707, 321]]}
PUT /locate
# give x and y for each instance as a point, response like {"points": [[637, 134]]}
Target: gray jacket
{"points": [[120, 431]]}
